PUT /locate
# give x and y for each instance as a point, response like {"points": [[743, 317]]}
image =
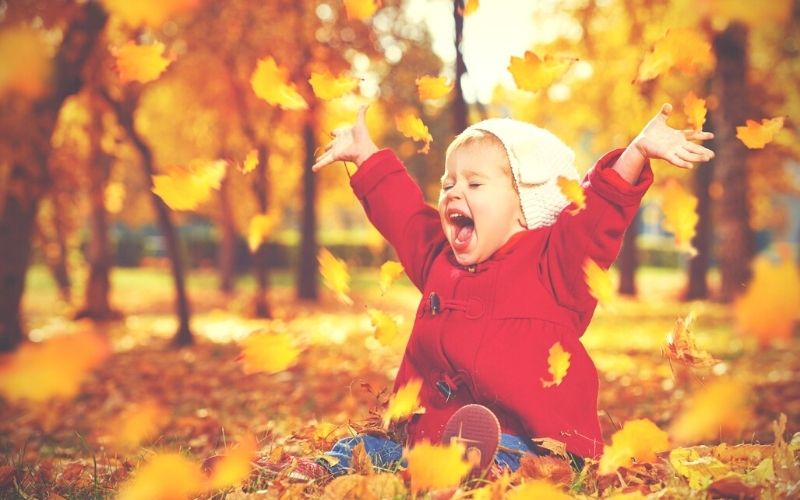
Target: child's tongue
{"points": [[463, 236]]}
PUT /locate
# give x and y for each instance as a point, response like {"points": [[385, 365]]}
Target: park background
{"points": [[174, 279]]}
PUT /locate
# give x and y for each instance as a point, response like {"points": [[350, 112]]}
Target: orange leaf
{"points": [[26, 61], [114, 197], [141, 63], [573, 190], [165, 476], [599, 282], [234, 467], [756, 135], [557, 365], [695, 110], [431, 87], [328, 87], [412, 127], [250, 162], [335, 275], [470, 6], [260, 228], [537, 488], [533, 73], [682, 348], [186, 188], [390, 271], [404, 402], [270, 83], [640, 439], [719, 407], [684, 50], [268, 352], [680, 215], [385, 326], [434, 467], [137, 423], [360, 9]]}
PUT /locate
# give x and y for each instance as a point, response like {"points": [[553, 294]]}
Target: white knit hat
{"points": [[537, 158]]}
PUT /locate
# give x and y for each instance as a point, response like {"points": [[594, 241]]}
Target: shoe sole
{"points": [[475, 426]]}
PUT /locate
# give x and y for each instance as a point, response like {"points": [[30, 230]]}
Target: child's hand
{"points": [[348, 144], [659, 140]]}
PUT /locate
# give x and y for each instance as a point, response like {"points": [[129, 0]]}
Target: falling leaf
{"points": [[152, 13], [53, 368], [557, 365], [335, 275], [683, 50], [756, 135], [360, 10], [680, 215], [268, 352], [412, 127], [720, 407], [27, 61], [768, 308], [270, 82], [234, 467], [695, 110], [404, 402], [682, 348], [187, 188], [141, 63], [114, 197], [385, 326], [165, 476], [599, 282], [573, 190], [638, 439], [250, 162], [135, 424], [533, 73], [390, 271], [537, 488], [259, 230], [470, 6], [327, 87], [432, 87], [434, 467]]}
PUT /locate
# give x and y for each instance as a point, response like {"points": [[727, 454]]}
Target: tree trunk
{"points": [[18, 212], [459, 104], [260, 264], [226, 259], [307, 287], [735, 246], [628, 260], [697, 287], [57, 262]]}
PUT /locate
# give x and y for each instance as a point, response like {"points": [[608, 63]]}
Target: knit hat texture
{"points": [[537, 158]]}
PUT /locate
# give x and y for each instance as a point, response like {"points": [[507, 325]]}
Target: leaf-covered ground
{"points": [[206, 401]]}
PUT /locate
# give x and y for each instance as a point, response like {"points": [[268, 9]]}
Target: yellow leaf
{"points": [[137, 423], [141, 63], [152, 13], [699, 469], [165, 476], [250, 162], [390, 271], [327, 87], [412, 127], [372, 487], [768, 308], [26, 61], [557, 365], [114, 197], [234, 467], [599, 282], [431, 87], [385, 326], [695, 110], [186, 188], [434, 467], [640, 439], [360, 9], [756, 135], [533, 73], [470, 6], [684, 50], [260, 228], [53, 368], [720, 407], [680, 215], [270, 82], [404, 402], [573, 190], [268, 352], [682, 348], [537, 488], [335, 275]]}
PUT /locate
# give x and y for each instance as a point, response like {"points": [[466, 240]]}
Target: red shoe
{"points": [[479, 430]]}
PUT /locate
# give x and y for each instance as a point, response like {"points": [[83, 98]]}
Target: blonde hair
{"points": [[477, 137]]}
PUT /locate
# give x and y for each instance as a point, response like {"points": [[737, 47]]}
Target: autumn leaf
{"points": [[260, 228], [470, 6], [494, 490], [135, 424], [114, 197], [385, 326], [234, 467], [404, 402], [432, 87], [390, 271], [599, 282], [268, 352], [537, 488], [270, 82], [683, 50], [695, 110], [699, 470], [638, 439], [371, 487], [720, 407], [360, 10], [186, 188], [26, 61], [573, 190], [680, 215], [152, 13], [335, 275], [555, 469], [250, 162], [53, 368], [432, 467], [141, 63], [327, 87], [756, 135], [557, 365], [165, 476], [412, 127], [682, 348], [533, 73], [768, 308]]}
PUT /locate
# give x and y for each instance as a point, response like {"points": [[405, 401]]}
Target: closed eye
{"points": [[475, 184]]}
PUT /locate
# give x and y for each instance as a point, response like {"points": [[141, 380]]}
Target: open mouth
{"points": [[464, 227]]}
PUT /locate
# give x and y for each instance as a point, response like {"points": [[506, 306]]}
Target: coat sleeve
{"points": [[594, 233], [395, 206]]}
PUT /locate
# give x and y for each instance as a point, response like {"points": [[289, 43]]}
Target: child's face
{"points": [[478, 205]]}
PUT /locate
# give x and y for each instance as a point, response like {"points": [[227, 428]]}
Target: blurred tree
{"points": [[460, 121]]}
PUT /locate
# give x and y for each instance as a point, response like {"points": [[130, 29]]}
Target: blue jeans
{"points": [[386, 453]]}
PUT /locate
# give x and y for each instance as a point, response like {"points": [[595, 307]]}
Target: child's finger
{"points": [[666, 110], [697, 135], [324, 159], [699, 150], [361, 118]]}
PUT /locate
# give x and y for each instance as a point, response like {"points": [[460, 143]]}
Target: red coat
{"points": [[485, 331]]}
